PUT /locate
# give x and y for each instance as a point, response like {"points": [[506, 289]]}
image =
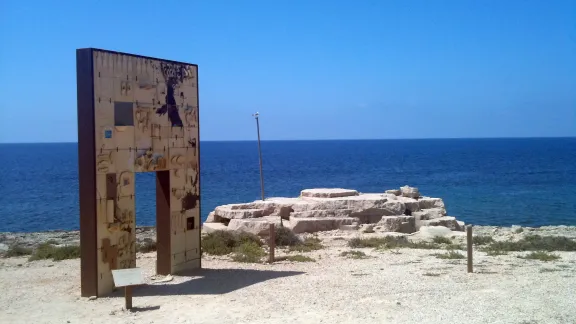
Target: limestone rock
{"points": [[432, 213], [445, 221], [210, 218], [462, 225], [427, 203], [395, 192], [410, 192], [311, 225], [229, 213], [412, 205], [402, 224], [322, 213], [328, 192], [432, 231], [255, 226], [212, 227]]}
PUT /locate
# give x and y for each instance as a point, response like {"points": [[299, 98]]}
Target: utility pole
{"points": [[260, 154]]}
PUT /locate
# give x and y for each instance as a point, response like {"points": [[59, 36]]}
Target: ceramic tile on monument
{"points": [[123, 90], [177, 222], [103, 64], [189, 116], [103, 113], [124, 160], [105, 161], [103, 89], [123, 67], [124, 137], [178, 241], [125, 184], [105, 138]]}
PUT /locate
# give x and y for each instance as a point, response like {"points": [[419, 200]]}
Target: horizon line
{"points": [[341, 139]]}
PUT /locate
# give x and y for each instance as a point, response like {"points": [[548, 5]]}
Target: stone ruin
{"points": [[401, 210]]}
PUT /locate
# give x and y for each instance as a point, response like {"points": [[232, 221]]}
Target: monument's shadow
{"points": [[212, 282]]}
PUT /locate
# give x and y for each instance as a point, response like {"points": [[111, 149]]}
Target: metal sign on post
{"points": [[127, 278]]}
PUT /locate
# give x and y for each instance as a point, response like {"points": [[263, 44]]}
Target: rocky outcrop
{"points": [[402, 210]]}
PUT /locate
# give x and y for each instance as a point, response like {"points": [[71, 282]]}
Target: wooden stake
{"points": [[469, 243], [272, 243], [128, 296]]}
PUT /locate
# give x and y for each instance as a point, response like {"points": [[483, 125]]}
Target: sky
{"points": [[313, 69]]}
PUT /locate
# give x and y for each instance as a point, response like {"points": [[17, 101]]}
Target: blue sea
{"points": [[529, 182]]}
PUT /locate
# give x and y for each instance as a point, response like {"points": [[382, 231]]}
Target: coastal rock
{"points": [[311, 225], [395, 192], [428, 203], [432, 213], [229, 213], [213, 227], [254, 226], [211, 217], [402, 224], [433, 231], [410, 192], [445, 221], [328, 193], [412, 205]]}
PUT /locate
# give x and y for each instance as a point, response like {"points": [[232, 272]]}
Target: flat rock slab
{"points": [[328, 192], [213, 227]]}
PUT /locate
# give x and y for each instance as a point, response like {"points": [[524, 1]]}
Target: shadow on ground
{"points": [[212, 282]]}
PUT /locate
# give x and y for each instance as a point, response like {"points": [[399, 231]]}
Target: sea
{"points": [[501, 182]]}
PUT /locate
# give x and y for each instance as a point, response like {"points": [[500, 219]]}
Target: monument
{"points": [[136, 114]]}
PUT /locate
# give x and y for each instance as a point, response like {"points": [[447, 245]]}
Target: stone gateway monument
{"points": [[136, 114]]}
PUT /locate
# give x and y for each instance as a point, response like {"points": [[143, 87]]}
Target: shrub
{"points": [[244, 237], [309, 244], [48, 251], [285, 237], [354, 254], [390, 242], [218, 243], [535, 243], [248, 252], [148, 245], [295, 258], [540, 255], [496, 252], [16, 251], [482, 240], [441, 240], [450, 255]]}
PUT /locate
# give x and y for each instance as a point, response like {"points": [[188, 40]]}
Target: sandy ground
{"points": [[404, 286]]}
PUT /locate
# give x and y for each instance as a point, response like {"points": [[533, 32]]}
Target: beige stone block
{"points": [[176, 142], [142, 122], [191, 76], [161, 91], [159, 131], [186, 266], [105, 138], [102, 220], [177, 222], [178, 157], [159, 119]]}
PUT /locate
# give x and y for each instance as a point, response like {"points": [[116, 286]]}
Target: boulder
{"points": [[412, 205], [229, 213], [433, 231], [402, 224], [254, 226], [212, 227], [462, 225], [432, 213], [410, 192], [427, 203], [210, 218], [390, 196], [328, 192], [310, 225], [445, 221], [395, 192]]}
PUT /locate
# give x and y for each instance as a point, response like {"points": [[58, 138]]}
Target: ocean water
{"points": [[529, 182]]}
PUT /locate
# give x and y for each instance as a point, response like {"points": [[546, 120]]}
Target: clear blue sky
{"points": [[313, 69]]}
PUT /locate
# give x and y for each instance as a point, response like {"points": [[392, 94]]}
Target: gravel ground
{"points": [[403, 286]]}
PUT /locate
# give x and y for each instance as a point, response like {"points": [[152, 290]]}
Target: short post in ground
{"points": [[469, 246], [272, 243]]}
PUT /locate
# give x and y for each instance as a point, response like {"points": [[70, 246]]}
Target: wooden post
{"points": [[469, 243], [272, 243], [128, 296]]}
